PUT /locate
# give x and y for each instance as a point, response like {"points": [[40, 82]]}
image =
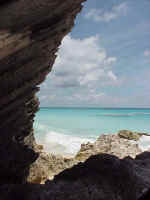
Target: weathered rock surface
{"points": [[47, 166], [130, 135], [111, 144], [30, 34], [101, 177]]}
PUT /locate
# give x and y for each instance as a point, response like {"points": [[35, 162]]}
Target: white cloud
{"points": [[147, 53], [81, 70], [83, 63], [112, 75], [99, 15]]}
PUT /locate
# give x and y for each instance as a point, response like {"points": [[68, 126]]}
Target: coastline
{"points": [[65, 129], [60, 149], [50, 164]]}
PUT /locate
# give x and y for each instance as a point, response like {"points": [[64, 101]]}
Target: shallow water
{"points": [[63, 130]]}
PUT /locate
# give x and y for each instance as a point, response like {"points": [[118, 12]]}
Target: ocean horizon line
{"points": [[86, 107]]}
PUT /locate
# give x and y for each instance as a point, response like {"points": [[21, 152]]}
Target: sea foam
{"points": [[59, 143], [144, 143]]}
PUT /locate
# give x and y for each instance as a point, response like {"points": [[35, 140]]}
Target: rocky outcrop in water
{"points": [[30, 34], [48, 165], [111, 144], [130, 135]]}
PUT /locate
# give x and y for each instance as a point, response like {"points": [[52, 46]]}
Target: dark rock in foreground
{"points": [[101, 177]]}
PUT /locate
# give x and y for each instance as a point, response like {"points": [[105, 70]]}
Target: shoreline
{"points": [[61, 150], [48, 165]]}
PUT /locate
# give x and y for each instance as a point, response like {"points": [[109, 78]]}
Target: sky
{"points": [[105, 60]]}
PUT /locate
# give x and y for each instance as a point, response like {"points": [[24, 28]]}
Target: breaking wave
{"points": [[60, 143], [144, 143]]}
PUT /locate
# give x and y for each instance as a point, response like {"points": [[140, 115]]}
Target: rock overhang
{"points": [[30, 35]]}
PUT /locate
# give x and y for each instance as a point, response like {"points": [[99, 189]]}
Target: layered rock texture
{"points": [[30, 34]]}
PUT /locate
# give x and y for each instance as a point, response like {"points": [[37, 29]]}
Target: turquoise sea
{"points": [[63, 130]]}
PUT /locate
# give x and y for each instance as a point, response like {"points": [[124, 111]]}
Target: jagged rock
{"points": [[38, 147], [47, 166], [30, 34], [130, 135], [101, 177], [145, 196], [111, 144]]}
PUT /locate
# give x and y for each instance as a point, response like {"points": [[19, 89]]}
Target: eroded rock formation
{"points": [[30, 34], [130, 135], [49, 165], [111, 144]]}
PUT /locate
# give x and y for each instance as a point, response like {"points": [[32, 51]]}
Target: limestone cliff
{"points": [[30, 34]]}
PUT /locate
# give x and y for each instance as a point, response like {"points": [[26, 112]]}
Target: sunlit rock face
{"points": [[30, 34]]}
